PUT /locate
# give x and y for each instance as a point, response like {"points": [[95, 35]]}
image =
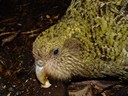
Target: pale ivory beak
{"points": [[41, 76]]}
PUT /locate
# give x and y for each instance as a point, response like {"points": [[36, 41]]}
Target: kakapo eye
{"points": [[56, 51]]}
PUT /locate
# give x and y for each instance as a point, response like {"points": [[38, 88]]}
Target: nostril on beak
{"points": [[39, 63]]}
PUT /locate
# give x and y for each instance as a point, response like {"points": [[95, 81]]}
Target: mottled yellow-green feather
{"points": [[101, 29]]}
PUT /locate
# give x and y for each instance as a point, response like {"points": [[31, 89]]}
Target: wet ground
{"points": [[20, 23]]}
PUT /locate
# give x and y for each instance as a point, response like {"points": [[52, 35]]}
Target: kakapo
{"points": [[91, 40]]}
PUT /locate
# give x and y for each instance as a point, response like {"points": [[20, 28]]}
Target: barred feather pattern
{"points": [[91, 39]]}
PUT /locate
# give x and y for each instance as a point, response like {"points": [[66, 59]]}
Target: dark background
{"points": [[20, 23]]}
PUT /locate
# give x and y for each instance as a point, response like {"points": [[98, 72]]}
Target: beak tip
{"points": [[41, 76], [46, 85]]}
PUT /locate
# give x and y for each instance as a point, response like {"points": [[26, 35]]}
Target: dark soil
{"points": [[20, 23]]}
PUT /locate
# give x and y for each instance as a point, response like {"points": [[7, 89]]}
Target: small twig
{"points": [[31, 70], [2, 61], [32, 31], [7, 33], [9, 39], [7, 20]]}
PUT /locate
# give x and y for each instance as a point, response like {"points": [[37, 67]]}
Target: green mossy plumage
{"points": [[99, 29]]}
